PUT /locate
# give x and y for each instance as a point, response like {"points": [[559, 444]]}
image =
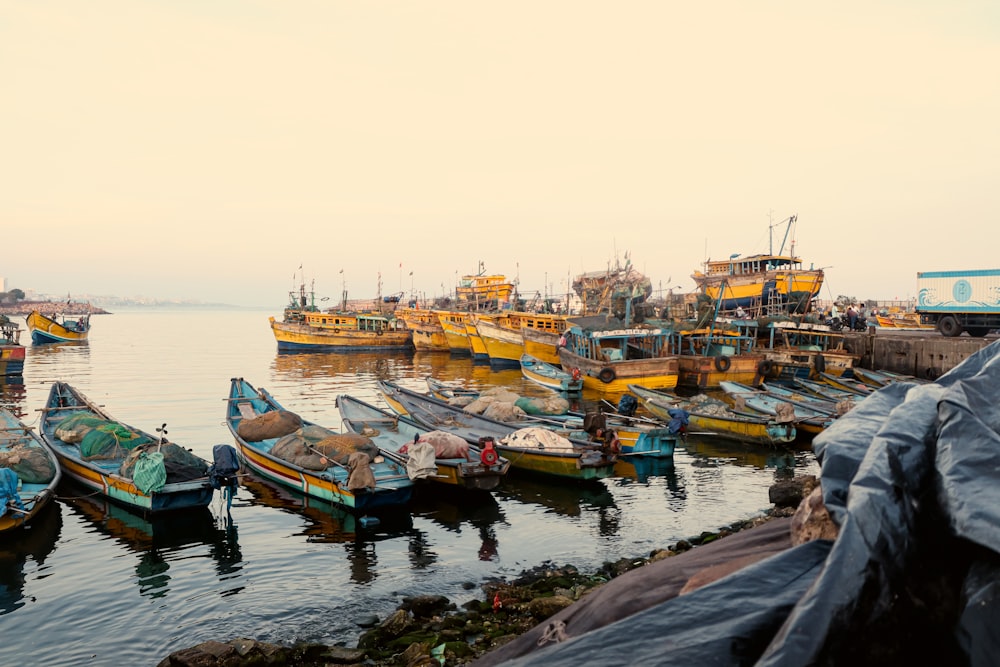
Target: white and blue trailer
{"points": [[957, 301]]}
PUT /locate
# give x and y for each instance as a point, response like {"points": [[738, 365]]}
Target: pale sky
{"points": [[205, 150]]}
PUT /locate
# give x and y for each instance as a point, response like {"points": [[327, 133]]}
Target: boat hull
{"points": [[542, 345], [702, 372], [580, 464], [548, 375], [47, 330], [11, 360], [34, 495], [614, 377], [101, 476], [392, 486], [504, 346], [294, 337]]}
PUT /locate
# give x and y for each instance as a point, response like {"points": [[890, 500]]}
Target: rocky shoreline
{"points": [[431, 630], [23, 308]]}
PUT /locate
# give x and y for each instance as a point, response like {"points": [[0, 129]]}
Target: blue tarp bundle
{"points": [[912, 478], [9, 497]]}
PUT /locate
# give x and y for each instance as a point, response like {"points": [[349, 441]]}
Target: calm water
{"points": [[94, 584]]}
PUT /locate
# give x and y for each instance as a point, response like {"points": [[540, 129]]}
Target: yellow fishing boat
{"points": [[611, 355], [428, 334], [501, 336], [305, 327], [483, 292], [709, 355], [761, 283], [58, 328], [453, 326]]}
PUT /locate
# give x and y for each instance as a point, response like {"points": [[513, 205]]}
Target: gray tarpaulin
{"points": [[912, 478]]}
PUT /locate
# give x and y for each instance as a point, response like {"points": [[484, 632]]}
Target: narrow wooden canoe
{"points": [[393, 488], [395, 433], [103, 476], [805, 419], [717, 418], [29, 473], [549, 375], [581, 461]]}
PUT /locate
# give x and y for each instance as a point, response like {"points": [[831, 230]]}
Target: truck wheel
{"points": [[949, 327]]}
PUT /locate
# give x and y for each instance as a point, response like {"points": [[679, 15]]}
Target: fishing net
{"points": [[110, 440], [548, 405], [180, 464], [75, 426], [269, 425], [318, 448], [31, 464]]}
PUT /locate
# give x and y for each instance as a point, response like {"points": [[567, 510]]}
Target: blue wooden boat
{"points": [[549, 375], [338, 482], [824, 390], [635, 436], [575, 460], [717, 417], [806, 419], [58, 328], [29, 473], [394, 435], [76, 429]]}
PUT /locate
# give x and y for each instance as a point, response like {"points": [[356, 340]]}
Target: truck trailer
{"points": [[957, 301]]}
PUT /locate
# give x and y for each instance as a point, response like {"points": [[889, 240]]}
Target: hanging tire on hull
{"points": [[819, 363], [765, 367], [607, 375], [723, 363]]}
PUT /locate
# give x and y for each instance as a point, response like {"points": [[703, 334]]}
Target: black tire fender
{"points": [[819, 363], [765, 367], [722, 363], [607, 375]]}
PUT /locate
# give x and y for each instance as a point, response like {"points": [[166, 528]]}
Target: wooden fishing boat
{"points": [[577, 461], [633, 435], [805, 399], [848, 384], [712, 354], [58, 328], [360, 480], [501, 337], [425, 327], [29, 473], [118, 461], [341, 331], [761, 283], [395, 434], [806, 420], [447, 392], [541, 333], [611, 354], [879, 379], [717, 417], [477, 348], [453, 325], [824, 390], [12, 352], [797, 348], [481, 292], [549, 375]]}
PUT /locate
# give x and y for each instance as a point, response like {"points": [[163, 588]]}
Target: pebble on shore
{"points": [[430, 630]]}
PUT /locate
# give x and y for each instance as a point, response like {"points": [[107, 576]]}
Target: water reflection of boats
{"points": [[308, 364], [34, 543], [744, 454], [480, 511], [642, 468], [327, 522], [566, 499], [154, 537], [13, 395]]}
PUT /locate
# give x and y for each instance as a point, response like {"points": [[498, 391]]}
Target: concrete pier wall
{"points": [[924, 355]]}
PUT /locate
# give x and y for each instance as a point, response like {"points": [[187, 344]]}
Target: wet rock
{"points": [[426, 606], [790, 492], [543, 607]]}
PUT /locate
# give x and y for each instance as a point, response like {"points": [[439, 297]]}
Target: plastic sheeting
{"points": [[912, 478]]}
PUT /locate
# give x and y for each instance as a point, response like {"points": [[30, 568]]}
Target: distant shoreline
{"points": [[23, 308]]}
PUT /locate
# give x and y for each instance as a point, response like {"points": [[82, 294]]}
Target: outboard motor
{"points": [[223, 473]]}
